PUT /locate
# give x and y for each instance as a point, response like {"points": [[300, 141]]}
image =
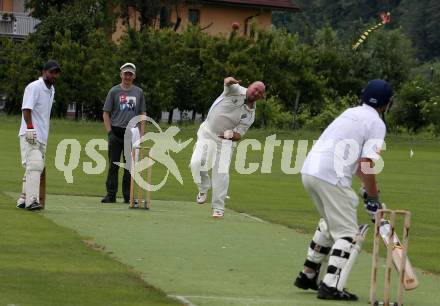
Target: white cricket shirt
{"points": [[38, 98], [358, 132], [230, 112]]}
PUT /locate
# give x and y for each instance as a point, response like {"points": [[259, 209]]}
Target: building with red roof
{"points": [[219, 17]]}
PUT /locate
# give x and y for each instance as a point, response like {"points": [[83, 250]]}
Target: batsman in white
{"points": [[228, 119], [34, 131], [351, 144]]}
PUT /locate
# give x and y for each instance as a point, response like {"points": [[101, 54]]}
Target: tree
{"points": [[287, 66], [40, 8], [409, 104], [418, 102], [149, 11], [334, 62], [386, 55], [154, 53], [418, 19], [88, 72], [78, 17], [19, 67]]}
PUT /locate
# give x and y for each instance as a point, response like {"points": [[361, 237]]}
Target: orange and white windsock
{"points": [[385, 19]]}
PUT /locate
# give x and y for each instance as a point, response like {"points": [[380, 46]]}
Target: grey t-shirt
{"points": [[124, 104]]}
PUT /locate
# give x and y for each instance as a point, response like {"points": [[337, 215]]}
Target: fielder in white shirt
{"points": [[228, 119], [350, 145], [37, 104]]}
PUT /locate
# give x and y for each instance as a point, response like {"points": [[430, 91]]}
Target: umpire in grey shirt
{"points": [[123, 102]]}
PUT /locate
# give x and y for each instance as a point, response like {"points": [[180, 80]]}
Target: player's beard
{"points": [[49, 81]]}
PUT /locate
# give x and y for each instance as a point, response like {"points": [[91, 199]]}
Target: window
{"points": [[194, 16]]}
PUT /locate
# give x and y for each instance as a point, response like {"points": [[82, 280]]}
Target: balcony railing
{"points": [[16, 24]]}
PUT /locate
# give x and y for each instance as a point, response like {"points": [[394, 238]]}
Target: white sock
{"points": [[310, 275]]}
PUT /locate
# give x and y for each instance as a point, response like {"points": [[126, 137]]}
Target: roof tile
{"points": [[274, 4]]}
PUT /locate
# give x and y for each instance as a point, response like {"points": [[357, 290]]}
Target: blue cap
{"points": [[377, 93]]}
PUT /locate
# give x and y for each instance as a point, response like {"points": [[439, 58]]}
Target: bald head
{"points": [[255, 91]]}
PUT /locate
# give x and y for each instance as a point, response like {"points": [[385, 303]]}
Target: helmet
{"points": [[377, 93]]}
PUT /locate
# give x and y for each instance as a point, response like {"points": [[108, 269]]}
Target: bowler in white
{"points": [[228, 119]]}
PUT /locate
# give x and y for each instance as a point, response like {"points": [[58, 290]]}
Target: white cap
{"points": [[128, 67]]}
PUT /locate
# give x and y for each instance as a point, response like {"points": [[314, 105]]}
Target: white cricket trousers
{"points": [[336, 204], [32, 159], [212, 152]]}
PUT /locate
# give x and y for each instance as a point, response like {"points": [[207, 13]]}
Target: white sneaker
{"points": [[201, 197], [21, 203], [217, 213]]}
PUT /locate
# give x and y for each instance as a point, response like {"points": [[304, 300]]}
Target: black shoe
{"points": [[331, 293], [108, 199], [34, 206], [303, 282], [21, 205]]}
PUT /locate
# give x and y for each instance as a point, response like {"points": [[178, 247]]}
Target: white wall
{"points": [[176, 116]]}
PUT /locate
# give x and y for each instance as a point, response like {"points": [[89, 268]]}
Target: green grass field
{"points": [[406, 183], [45, 264]]}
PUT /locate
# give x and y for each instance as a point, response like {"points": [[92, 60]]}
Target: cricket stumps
{"points": [[389, 256], [140, 197]]}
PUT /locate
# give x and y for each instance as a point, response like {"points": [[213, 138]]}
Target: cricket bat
{"points": [[43, 189], [410, 281]]}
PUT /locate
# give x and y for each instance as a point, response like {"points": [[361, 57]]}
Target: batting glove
{"points": [[372, 205], [31, 136], [228, 134]]}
